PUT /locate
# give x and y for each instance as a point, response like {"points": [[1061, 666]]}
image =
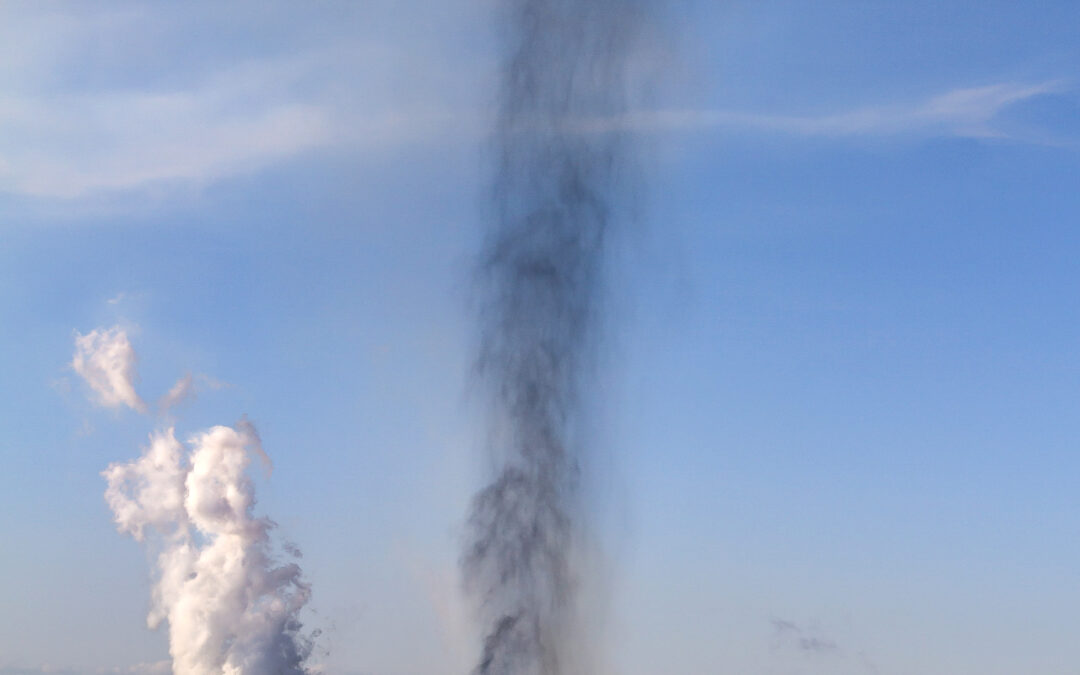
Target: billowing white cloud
{"points": [[149, 492], [105, 359], [231, 609]]}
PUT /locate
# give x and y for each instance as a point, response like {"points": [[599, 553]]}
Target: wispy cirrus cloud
{"points": [[187, 389], [961, 112], [153, 668], [130, 140], [68, 134], [69, 146], [65, 136], [181, 392]]}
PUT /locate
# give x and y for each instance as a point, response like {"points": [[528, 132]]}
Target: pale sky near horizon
{"points": [[836, 427]]}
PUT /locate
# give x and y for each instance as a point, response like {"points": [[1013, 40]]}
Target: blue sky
{"points": [[836, 420]]}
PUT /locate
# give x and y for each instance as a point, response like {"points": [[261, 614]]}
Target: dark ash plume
{"points": [[559, 156]]}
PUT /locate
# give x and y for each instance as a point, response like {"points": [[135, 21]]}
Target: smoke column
{"points": [[231, 610], [558, 161]]}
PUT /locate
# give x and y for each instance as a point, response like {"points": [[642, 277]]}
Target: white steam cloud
{"points": [[106, 360], [231, 608]]}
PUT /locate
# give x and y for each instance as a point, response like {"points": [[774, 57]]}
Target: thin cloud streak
{"points": [[155, 668], [187, 389], [963, 112], [255, 114], [230, 605], [189, 144], [237, 118], [126, 141], [63, 143]]}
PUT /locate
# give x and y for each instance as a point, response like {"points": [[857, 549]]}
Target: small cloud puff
{"points": [[106, 360], [187, 389]]}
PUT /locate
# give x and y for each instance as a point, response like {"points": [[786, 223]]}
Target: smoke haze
{"points": [[540, 282]]}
